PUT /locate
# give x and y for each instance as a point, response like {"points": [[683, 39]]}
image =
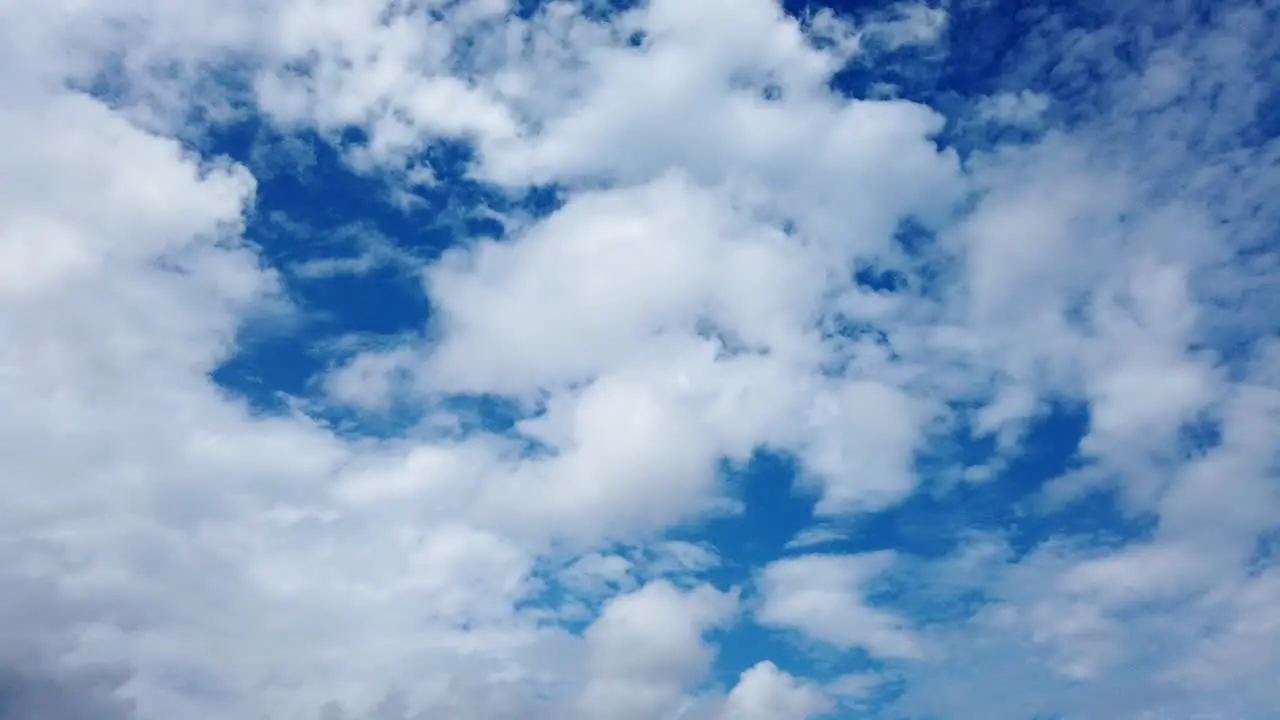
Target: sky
{"points": [[658, 360]]}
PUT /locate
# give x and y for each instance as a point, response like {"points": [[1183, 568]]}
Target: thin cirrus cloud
{"points": [[701, 360]]}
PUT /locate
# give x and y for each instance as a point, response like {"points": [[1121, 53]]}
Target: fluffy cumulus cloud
{"points": [[717, 360], [821, 596]]}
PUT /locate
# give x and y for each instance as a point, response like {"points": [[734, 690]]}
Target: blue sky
{"points": [[700, 360]]}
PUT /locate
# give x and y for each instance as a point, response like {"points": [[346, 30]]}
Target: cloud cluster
{"points": [[744, 259]]}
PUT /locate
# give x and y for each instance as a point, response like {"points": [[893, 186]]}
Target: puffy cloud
{"points": [[764, 692], [822, 596], [647, 647], [700, 296]]}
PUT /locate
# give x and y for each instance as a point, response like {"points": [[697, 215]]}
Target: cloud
{"points": [[647, 646], [764, 691], [822, 596], [1021, 109], [375, 251], [741, 259], [29, 696], [814, 536]]}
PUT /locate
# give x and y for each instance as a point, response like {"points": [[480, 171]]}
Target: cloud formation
{"points": [[853, 241]]}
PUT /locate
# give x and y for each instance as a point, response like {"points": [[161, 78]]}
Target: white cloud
{"points": [[674, 557], [909, 24], [375, 251], [764, 692], [863, 449], [603, 278], [822, 596], [812, 536], [1021, 109], [647, 647], [597, 574], [369, 380], [222, 564]]}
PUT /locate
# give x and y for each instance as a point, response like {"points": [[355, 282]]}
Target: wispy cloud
{"points": [[374, 252]]}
